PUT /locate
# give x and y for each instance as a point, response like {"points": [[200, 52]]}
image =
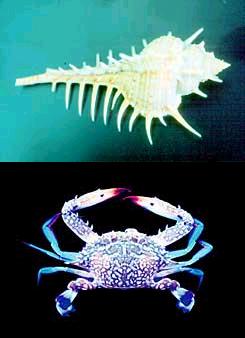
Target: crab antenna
{"points": [[193, 36]]}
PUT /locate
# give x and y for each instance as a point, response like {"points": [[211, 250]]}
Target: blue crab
{"points": [[124, 260]]}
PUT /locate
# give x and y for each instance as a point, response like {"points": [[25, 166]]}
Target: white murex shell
{"points": [[152, 82]]}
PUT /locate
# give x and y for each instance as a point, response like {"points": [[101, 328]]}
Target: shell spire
{"points": [[152, 82]]}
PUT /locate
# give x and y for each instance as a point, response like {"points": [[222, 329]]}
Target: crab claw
{"points": [[99, 196], [156, 206]]}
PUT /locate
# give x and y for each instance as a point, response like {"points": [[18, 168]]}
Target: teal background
{"points": [[34, 124]]}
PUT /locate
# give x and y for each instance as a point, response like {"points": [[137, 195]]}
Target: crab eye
{"points": [[152, 203], [102, 195]]}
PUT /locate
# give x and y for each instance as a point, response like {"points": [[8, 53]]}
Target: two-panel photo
{"points": [[122, 159]]}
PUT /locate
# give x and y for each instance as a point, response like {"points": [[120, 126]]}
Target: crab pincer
{"points": [[99, 196]]}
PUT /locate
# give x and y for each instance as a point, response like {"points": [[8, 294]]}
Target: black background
{"points": [[207, 190]]}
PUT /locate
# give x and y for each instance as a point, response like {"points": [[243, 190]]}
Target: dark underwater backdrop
{"points": [[34, 124]]}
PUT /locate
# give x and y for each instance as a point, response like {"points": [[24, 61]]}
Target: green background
{"points": [[34, 124]]}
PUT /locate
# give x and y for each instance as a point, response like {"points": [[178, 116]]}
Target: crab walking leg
{"points": [[49, 234], [54, 269], [64, 300], [72, 256], [196, 232], [184, 225], [76, 223], [196, 272], [206, 248], [181, 266], [186, 298]]}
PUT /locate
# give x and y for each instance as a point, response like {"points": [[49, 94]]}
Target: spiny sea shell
{"points": [[152, 82]]}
